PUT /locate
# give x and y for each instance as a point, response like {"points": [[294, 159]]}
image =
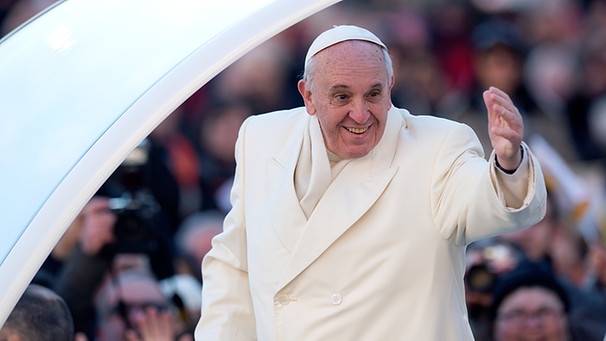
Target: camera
{"points": [[136, 208], [480, 278], [488, 259], [134, 224]]}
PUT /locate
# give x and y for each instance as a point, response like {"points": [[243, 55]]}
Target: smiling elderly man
{"points": [[350, 216]]}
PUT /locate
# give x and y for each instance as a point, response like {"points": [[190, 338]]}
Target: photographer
{"points": [[589, 320], [83, 271], [129, 223], [97, 259], [487, 261]]}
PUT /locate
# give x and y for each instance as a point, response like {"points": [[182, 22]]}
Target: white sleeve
{"points": [[513, 189]]}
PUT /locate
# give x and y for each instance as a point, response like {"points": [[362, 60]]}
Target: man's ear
{"points": [[306, 94]]}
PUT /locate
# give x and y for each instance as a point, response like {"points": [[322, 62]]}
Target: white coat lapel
{"points": [[288, 219], [350, 196]]}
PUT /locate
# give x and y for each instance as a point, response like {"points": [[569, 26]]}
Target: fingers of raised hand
{"points": [[155, 325], [502, 113]]}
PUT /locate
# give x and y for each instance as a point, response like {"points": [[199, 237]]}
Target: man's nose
{"points": [[359, 111]]}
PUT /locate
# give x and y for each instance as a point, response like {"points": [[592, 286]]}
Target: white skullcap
{"points": [[339, 34]]}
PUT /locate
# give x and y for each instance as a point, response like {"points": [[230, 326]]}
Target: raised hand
{"points": [[152, 325], [505, 127], [98, 226]]}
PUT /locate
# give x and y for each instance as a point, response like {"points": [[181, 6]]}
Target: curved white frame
{"points": [[56, 34]]}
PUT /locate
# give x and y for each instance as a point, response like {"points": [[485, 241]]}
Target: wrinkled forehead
{"points": [[349, 59]]}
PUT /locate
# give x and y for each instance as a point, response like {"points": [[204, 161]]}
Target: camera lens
{"points": [[479, 278]]}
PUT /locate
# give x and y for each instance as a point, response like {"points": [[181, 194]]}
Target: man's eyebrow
{"points": [[345, 87], [378, 85], [339, 87]]}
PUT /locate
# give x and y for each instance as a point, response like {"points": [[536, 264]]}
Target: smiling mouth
{"points": [[356, 130]]}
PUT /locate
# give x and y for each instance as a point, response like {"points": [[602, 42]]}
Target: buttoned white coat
{"points": [[382, 255]]}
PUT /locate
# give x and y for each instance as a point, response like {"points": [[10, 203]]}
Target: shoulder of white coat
{"points": [[428, 123], [279, 117], [439, 131], [274, 126]]}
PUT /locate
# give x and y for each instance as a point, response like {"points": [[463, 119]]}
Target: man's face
{"points": [[351, 94], [531, 314]]}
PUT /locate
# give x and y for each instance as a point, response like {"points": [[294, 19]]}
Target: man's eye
{"points": [[375, 96], [341, 97]]}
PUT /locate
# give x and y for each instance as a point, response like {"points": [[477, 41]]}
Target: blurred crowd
{"points": [[129, 266]]}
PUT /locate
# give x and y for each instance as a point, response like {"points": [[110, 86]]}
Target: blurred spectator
{"points": [[193, 241], [98, 254], [217, 140], [586, 109], [46, 275], [561, 251], [487, 261], [550, 74], [499, 54], [569, 251], [590, 320], [260, 78], [536, 240], [131, 306], [451, 25], [597, 262], [178, 189], [84, 269], [551, 30], [425, 89], [145, 199], [40, 315], [530, 304]]}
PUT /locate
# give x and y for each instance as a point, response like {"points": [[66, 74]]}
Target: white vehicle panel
{"points": [[86, 82]]}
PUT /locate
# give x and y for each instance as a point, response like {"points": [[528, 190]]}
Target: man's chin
{"points": [[356, 154]]}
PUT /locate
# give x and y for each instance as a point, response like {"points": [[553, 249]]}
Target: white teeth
{"points": [[357, 130]]}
